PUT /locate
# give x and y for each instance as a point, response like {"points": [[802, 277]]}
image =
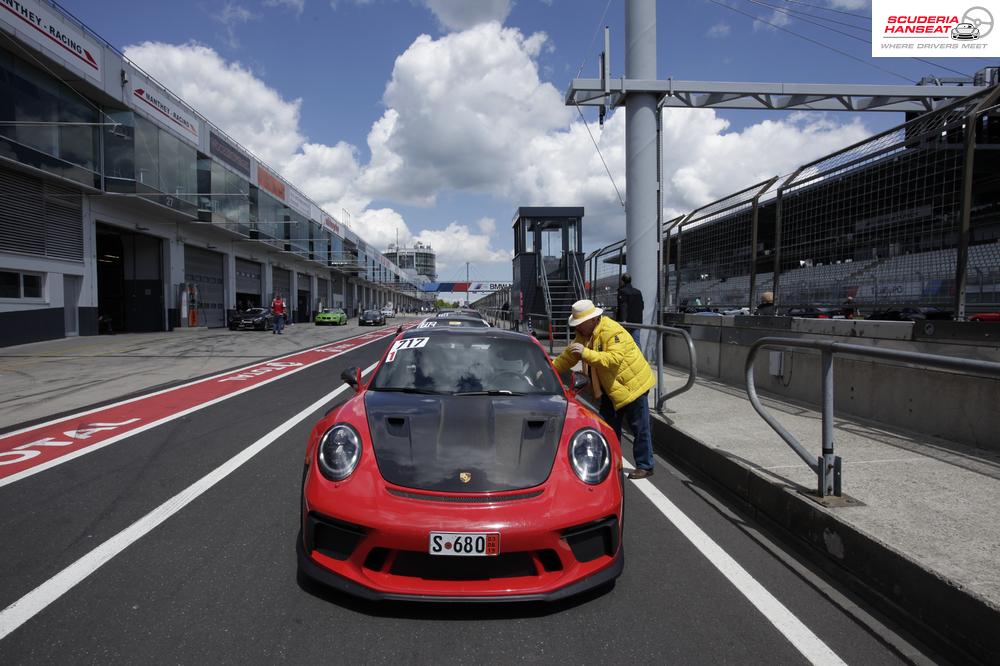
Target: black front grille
{"points": [[444, 567], [333, 538], [470, 499], [590, 541]]}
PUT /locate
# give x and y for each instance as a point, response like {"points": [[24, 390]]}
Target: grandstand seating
{"points": [[926, 277]]}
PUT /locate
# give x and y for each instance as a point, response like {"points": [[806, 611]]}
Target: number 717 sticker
{"points": [[408, 343]]}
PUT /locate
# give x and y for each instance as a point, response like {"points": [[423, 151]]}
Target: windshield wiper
{"points": [[408, 389], [491, 392]]}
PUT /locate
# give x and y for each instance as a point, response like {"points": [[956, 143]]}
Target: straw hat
{"points": [[584, 310]]}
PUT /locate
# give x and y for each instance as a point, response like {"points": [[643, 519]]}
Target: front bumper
{"points": [[322, 575], [377, 549]]}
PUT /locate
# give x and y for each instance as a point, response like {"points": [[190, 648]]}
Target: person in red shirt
{"points": [[278, 308]]}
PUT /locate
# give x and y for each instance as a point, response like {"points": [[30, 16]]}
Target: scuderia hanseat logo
{"points": [[911, 28]]}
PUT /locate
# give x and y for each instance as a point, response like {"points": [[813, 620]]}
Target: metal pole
{"points": [[659, 366], [677, 269], [962, 262], [827, 463], [777, 253], [640, 152]]}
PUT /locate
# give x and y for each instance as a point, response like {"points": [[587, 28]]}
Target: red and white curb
{"points": [[34, 449]]}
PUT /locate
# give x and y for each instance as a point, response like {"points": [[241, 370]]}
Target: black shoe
{"points": [[640, 473]]}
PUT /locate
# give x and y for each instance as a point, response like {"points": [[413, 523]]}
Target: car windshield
{"points": [[254, 311], [371, 313], [457, 364]]}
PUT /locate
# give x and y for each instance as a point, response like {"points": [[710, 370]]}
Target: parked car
{"points": [[907, 313], [460, 320], [259, 319], [986, 316], [388, 313], [331, 317], [464, 470], [816, 312], [371, 318]]}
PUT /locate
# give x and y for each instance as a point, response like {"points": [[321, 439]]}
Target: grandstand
{"points": [[880, 221]]}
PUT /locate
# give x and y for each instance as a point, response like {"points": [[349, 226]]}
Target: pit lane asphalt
{"points": [[216, 583]]}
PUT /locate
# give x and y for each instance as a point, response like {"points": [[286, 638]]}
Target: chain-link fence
{"points": [[906, 220]]}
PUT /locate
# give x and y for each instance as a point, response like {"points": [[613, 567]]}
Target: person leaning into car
{"points": [[619, 374]]}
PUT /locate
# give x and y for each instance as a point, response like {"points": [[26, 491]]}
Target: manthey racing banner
{"points": [[41, 24], [935, 29], [162, 107]]}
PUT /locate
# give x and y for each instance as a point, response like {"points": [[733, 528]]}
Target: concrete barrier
{"points": [[952, 406]]}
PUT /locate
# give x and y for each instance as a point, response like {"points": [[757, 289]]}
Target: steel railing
{"points": [[828, 465], [692, 359]]}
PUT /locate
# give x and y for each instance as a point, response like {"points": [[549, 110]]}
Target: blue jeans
{"points": [[635, 336], [279, 323], [636, 414]]}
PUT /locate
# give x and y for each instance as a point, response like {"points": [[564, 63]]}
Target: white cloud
{"points": [[468, 113], [850, 4], [232, 15], [464, 14], [296, 6], [458, 108], [777, 19], [228, 94], [719, 30]]}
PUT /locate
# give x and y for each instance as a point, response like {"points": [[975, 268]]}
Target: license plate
{"points": [[465, 544]]}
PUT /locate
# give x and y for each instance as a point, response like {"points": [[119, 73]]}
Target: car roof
{"points": [[480, 332]]}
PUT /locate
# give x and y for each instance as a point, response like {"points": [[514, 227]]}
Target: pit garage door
{"points": [[323, 292], [303, 309], [204, 269], [249, 285], [282, 281]]}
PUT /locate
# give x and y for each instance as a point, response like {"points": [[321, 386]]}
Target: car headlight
{"points": [[590, 456], [339, 452]]}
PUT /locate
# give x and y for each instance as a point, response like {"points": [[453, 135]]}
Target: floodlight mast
{"points": [[644, 97]]}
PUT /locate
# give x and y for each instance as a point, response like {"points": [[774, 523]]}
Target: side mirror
{"points": [[352, 376], [580, 380], [399, 330]]}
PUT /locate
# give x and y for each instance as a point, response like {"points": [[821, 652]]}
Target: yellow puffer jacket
{"points": [[620, 366]]}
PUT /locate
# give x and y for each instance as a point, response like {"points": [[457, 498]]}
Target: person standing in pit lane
{"points": [[619, 374], [630, 305], [278, 308]]}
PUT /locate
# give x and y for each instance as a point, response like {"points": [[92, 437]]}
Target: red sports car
{"points": [[463, 471]]}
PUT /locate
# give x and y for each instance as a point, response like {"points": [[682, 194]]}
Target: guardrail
{"points": [[828, 466], [692, 359]]}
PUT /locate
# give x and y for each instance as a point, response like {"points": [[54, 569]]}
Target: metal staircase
{"points": [[562, 295]]}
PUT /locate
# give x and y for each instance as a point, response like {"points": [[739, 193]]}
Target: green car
{"points": [[331, 317]]}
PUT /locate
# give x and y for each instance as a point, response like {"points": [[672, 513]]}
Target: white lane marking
{"points": [[798, 634], [13, 478], [42, 596]]}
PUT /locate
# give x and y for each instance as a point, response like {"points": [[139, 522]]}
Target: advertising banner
{"points": [[155, 103], [331, 224], [935, 29], [297, 201], [42, 25], [270, 182], [228, 153]]}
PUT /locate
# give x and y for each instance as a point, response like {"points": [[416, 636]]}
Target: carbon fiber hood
{"points": [[500, 442]]}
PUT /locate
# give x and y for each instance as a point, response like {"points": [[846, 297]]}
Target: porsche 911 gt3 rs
{"points": [[463, 470]]}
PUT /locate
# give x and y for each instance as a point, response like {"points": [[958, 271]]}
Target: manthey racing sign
{"points": [[935, 28], [157, 104], [41, 24]]}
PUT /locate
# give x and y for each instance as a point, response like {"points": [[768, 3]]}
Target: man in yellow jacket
{"points": [[620, 377]]}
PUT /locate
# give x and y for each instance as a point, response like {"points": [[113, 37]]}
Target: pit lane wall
{"points": [[955, 407]]}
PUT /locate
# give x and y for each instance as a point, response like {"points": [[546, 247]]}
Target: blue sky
{"points": [[337, 59]]}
